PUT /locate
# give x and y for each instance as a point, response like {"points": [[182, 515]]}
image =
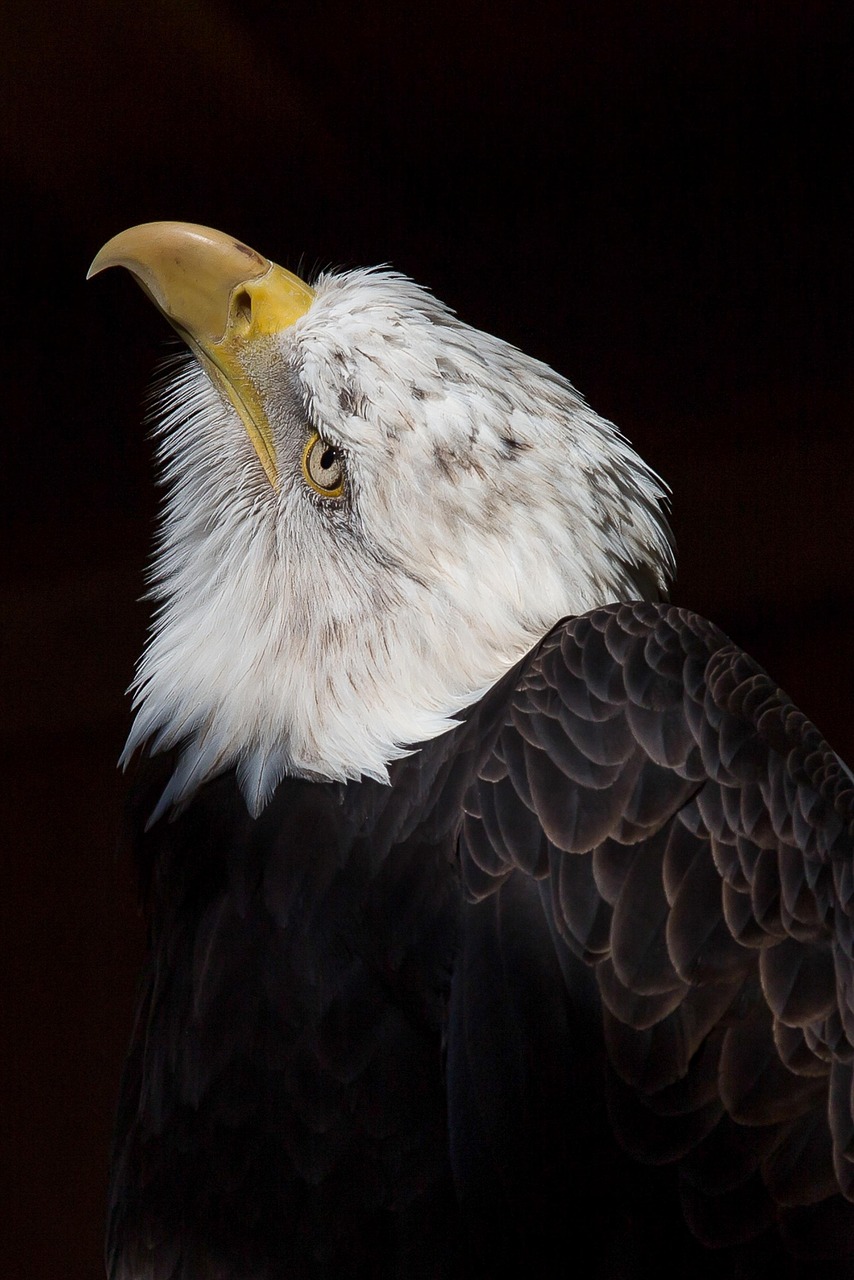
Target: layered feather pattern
{"points": [[697, 834]]}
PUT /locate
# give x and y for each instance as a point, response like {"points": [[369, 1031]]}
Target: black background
{"points": [[656, 198]]}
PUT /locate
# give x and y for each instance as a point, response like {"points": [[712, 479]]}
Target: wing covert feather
{"points": [[696, 836]]}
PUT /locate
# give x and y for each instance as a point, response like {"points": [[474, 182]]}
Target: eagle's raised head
{"points": [[372, 512]]}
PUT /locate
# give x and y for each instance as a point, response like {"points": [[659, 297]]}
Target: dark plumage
{"points": [[336, 987]]}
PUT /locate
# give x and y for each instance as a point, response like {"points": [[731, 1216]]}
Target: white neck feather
{"points": [[485, 502]]}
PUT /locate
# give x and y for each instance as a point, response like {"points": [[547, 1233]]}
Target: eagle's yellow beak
{"points": [[221, 296]]}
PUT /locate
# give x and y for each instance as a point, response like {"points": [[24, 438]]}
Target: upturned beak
{"points": [[220, 296]]}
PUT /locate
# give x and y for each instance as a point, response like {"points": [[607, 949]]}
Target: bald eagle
{"points": [[500, 913]]}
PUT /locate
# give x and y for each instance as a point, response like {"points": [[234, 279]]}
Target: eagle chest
{"points": [[285, 1090]]}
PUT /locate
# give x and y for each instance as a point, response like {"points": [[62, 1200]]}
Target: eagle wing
{"points": [[687, 836]]}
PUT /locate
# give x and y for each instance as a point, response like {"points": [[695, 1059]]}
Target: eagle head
{"points": [[372, 511]]}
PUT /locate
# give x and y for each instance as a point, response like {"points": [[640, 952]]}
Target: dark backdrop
{"points": [[656, 198]]}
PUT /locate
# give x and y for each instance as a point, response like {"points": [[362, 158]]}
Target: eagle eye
{"points": [[323, 467]]}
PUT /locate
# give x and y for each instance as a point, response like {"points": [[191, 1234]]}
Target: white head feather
{"points": [[484, 501]]}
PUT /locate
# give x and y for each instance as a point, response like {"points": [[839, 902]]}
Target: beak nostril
{"points": [[243, 305]]}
